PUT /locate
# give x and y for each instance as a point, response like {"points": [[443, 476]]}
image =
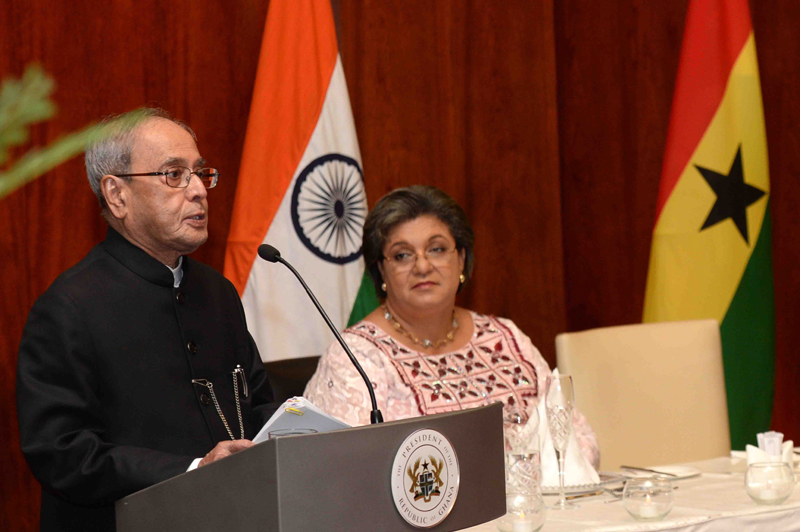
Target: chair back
{"points": [[653, 393], [289, 377]]}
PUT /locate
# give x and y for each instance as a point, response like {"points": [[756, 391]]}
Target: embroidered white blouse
{"points": [[499, 363]]}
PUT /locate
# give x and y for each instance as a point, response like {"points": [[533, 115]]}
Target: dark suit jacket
{"points": [[105, 397]]}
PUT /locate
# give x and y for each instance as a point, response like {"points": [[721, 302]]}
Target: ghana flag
{"points": [[711, 250]]}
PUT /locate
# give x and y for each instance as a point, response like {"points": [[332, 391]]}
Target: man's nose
{"points": [[196, 189]]}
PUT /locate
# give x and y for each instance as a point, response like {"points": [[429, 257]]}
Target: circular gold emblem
{"points": [[425, 478]]}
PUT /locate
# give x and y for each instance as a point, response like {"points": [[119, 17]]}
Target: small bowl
{"points": [[647, 499], [769, 482]]}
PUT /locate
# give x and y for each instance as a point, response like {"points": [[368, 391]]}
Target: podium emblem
{"points": [[425, 478]]}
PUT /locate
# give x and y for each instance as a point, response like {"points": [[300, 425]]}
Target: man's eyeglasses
{"points": [[179, 176], [437, 255]]}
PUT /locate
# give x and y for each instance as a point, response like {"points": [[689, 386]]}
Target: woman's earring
{"points": [[462, 279], [383, 286]]}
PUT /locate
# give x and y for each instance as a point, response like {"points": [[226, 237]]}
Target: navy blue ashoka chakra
{"points": [[329, 205]]}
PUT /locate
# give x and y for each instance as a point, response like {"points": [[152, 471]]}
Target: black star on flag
{"points": [[733, 195]]}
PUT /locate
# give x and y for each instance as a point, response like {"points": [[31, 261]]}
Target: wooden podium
{"points": [[330, 481]]}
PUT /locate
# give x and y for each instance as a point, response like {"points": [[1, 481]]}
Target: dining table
{"points": [[713, 501]]}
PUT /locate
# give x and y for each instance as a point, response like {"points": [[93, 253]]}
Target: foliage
{"points": [[24, 102]]}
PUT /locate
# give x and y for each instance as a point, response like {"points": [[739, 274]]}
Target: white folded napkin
{"points": [[577, 470], [754, 454], [770, 442]]}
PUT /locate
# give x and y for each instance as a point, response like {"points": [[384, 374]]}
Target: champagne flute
{"points": [[559, 401]]}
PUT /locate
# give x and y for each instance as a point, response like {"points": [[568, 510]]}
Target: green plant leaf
{"points": [[23, 102], [26, 101], [39, 161]]}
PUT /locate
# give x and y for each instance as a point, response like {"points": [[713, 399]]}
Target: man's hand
{"points": [[223, 449]]}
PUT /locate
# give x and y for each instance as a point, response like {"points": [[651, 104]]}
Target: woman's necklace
{"points": [[451, 334]]}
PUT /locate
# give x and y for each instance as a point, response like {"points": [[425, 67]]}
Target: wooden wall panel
{"points": [[461, 95], [617, 63], [545, 120], [778, 47]]}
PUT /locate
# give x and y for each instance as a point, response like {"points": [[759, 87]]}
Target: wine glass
{"points": [[559, 401]]}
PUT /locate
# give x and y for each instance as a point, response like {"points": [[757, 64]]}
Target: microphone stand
{"points": [[375, 416]]}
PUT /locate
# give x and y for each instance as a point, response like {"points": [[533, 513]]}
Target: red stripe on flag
{"points": [[296, 62], [714, 35]]}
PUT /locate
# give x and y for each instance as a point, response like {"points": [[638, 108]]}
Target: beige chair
{"points": [[653, 393]]}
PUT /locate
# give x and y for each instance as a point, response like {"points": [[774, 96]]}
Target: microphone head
{"points": [[268, 253]]}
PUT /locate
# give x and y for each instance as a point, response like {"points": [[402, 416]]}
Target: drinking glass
{"points": [[559, 402], [279, 433], [523, 465], [524, 503]]}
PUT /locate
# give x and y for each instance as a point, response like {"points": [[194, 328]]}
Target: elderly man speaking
{"points": [[136, 364]]}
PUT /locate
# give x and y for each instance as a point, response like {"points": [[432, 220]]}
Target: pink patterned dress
{"points": [[499, 363]]}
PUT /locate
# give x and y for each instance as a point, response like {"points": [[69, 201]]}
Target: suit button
{"points": [[180, 297], [192, 347], [205, 399]]}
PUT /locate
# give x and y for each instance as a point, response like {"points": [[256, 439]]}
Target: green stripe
{"points": [[748, 345], [366, 301]]}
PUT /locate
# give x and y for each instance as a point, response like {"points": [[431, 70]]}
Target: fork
{"points": [[616, 493], [646, 470]]}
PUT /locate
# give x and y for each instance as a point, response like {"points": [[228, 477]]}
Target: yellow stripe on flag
{"points": [[694, 274]]}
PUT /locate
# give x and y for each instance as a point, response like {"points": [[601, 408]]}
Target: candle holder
{"points": [[525, 513], [769, 482], [647, 499]]}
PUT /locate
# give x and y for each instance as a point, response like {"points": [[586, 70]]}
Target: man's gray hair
{"points": [[112, 153]]}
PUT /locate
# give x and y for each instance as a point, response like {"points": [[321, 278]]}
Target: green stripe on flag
{"points": [[366, 300], [748, 345]]}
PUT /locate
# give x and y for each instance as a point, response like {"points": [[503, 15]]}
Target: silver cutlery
{"points": [[646, 470], [582, 495]]}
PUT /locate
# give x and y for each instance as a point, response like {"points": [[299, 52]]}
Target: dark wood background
{"points": [[545, 119]]}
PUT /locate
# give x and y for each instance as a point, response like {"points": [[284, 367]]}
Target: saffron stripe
{"points": [[297, 59]]}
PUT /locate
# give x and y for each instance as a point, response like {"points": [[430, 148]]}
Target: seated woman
{"points": [[424, 354]]}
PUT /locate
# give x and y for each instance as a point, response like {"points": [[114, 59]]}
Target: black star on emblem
{"points": [[733, 195], [425, 465]]}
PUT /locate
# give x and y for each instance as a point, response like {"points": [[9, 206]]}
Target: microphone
{"points": [[270, 254]]}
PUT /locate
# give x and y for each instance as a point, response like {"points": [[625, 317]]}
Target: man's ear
{"points": [[115, 192]]}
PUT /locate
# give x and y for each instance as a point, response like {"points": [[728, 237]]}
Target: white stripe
{"points": [[279, 314]]}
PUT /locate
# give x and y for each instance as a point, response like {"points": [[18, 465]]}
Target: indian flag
{"points": [[300, 189], [711, 251]]}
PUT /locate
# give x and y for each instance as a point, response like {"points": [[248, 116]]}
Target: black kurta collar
{"points": [[139, 261]]}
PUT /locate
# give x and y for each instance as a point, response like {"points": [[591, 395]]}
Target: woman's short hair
{"points": [[405, 204]]}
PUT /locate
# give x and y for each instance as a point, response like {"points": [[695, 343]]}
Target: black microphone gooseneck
{"points": [[270, 254]]}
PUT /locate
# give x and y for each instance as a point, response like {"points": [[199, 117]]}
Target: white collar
{"points": [[177, 272]]}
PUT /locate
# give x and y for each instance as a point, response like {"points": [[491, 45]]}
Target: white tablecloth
{"points": [[713, 502]]}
